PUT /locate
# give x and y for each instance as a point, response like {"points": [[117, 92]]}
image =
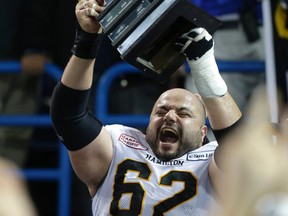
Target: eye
{"points": [[161, 112], [184, 115]]}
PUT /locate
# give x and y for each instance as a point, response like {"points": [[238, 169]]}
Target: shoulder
{"points": [[209, 146], [118, 127], [124, 134], [116, 130]]}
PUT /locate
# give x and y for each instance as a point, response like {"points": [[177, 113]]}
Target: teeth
{"points": [[169, 130]]}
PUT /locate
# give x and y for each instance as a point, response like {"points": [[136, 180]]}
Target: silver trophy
{"points": [[144, 32]]}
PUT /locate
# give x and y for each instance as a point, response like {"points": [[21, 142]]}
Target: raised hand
{"points": [[86, 12], [195, 43]]}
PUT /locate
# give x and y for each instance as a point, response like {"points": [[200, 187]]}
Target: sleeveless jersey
{"points": [[138, 183]]}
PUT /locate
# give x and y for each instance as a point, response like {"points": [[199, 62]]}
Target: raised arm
{"points": [[223, 113], [88, 143]]}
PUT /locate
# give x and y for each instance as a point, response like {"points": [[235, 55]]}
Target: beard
{"points": [[187, 142]]}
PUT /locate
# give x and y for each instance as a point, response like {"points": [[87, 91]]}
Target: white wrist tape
{"points": [[207, 78]]}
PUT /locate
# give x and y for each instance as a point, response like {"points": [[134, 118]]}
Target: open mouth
{"points": [[169, 135]]}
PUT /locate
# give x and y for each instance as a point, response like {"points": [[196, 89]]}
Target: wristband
{"points": [[85, 44]]}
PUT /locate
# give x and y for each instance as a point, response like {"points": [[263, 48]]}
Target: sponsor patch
{"points": [[198, 156], [131, 142]]}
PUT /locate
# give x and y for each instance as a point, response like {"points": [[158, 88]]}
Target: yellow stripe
{"points": [[280, 20]]}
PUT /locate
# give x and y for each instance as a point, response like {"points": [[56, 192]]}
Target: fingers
{"points": [[86, 12], [198, 34], [92, 8], [193, 33], [205, 35]]}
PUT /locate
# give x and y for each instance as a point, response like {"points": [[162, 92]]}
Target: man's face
{"points": [[177, 124]]}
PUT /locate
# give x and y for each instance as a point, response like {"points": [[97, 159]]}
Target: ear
{"points": [[204, 131]]}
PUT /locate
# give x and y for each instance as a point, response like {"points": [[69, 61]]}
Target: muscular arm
{"points": [[223, 113], [221, 108], [90, 157], [91, 162]]}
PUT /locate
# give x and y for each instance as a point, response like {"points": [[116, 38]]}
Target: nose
{"points": [[170, 116]]}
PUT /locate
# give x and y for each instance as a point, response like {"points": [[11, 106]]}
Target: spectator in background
{"points": [[239, 39], [19, 91], [34, 36]]}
